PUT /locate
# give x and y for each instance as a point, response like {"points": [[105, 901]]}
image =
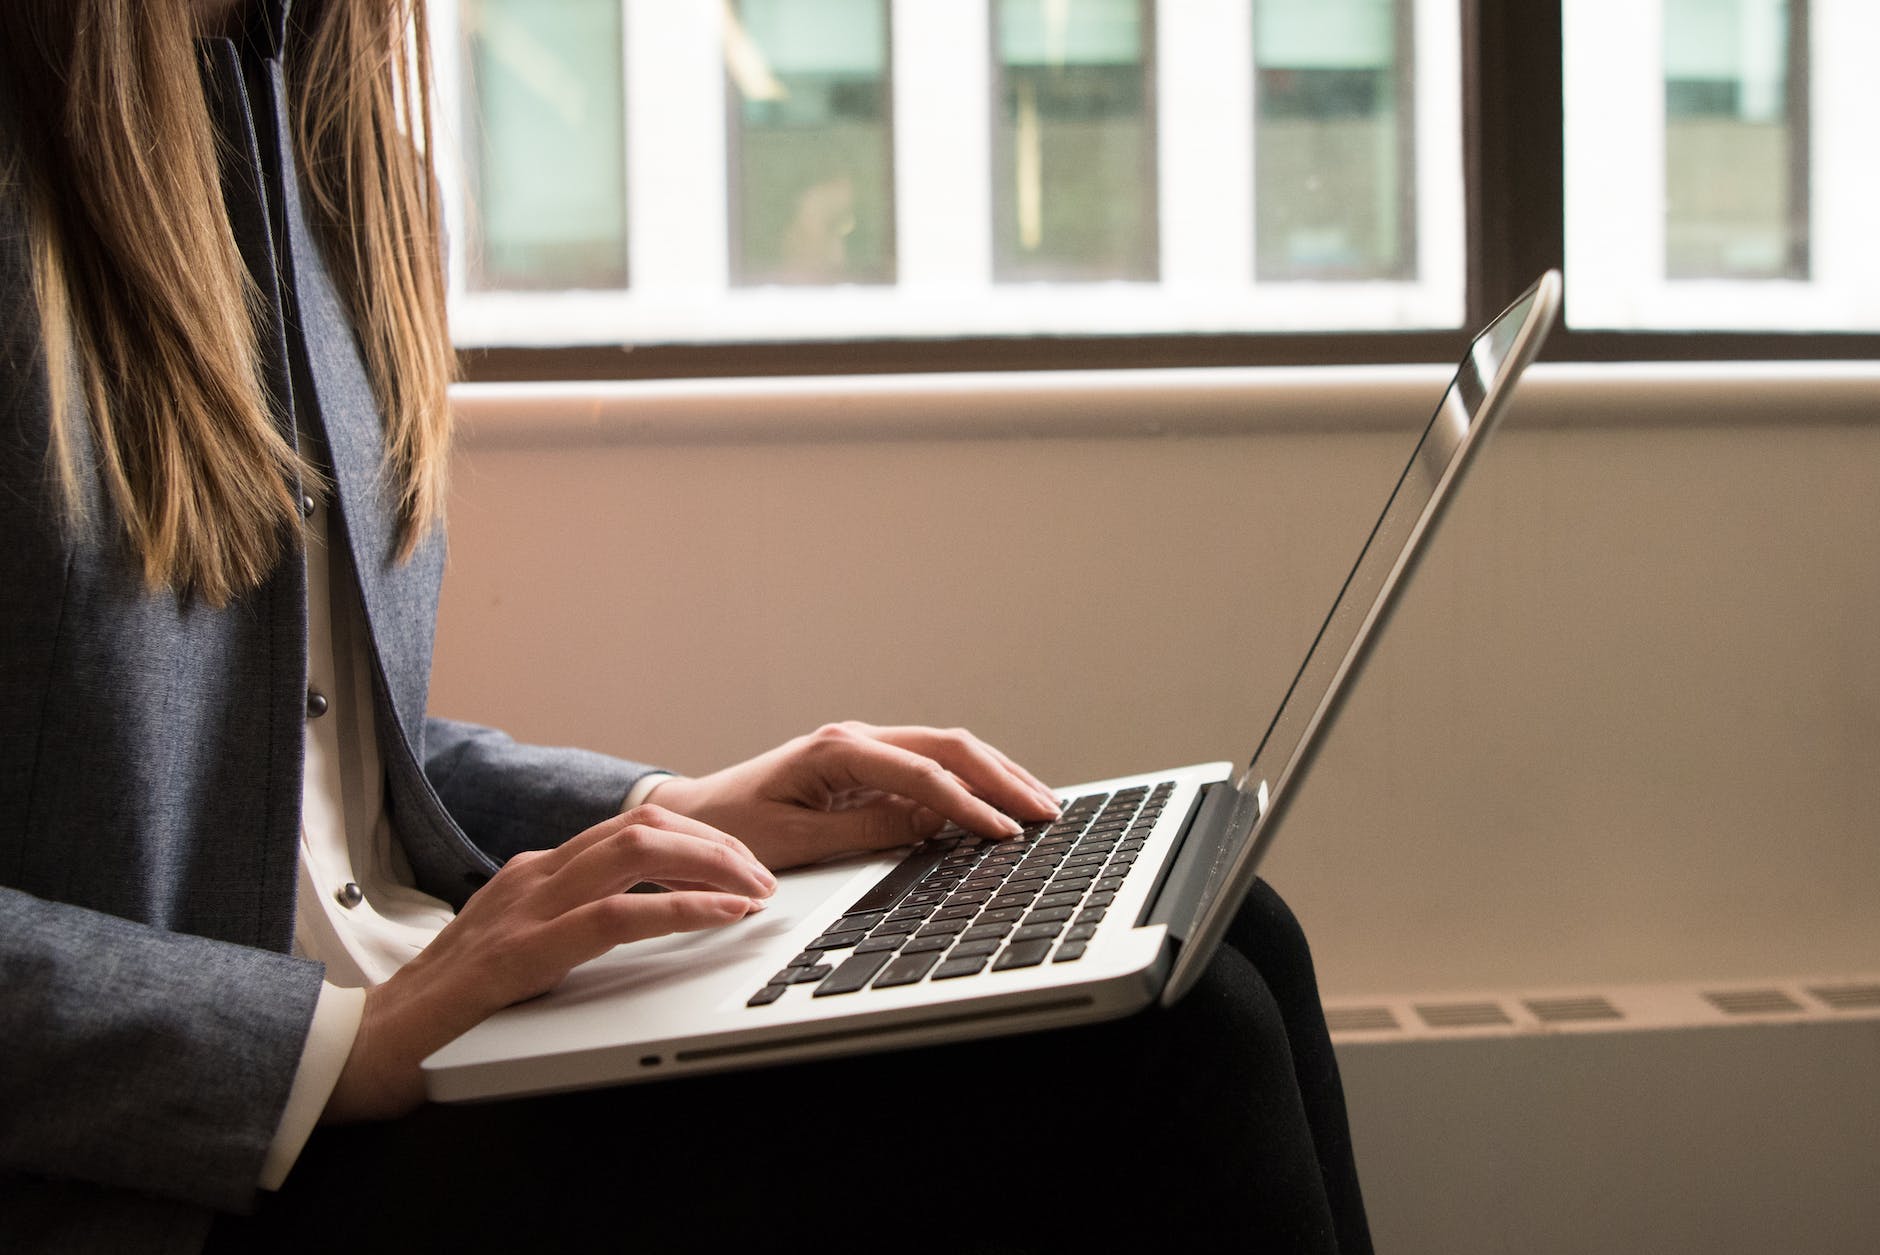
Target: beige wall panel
{"points": [[1624, 728]]}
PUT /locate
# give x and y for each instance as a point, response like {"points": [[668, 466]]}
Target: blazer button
{"points": [[350, 895], [306, 505], [316, 703]]}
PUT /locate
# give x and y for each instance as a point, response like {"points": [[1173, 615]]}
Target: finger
{"points": [[596, 927], [655, 817], [867, 762], [1044, 790], [982, 768], [640, 852], [879, 825]]}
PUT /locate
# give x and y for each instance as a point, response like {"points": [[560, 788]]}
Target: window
{"points": [[920, 184], [547, 202], [1736, 141], [1719, 165], [799, 170], [812, 171], [1334, 146], [1076, 145]]}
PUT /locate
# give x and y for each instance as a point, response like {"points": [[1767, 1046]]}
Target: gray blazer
{"points": [[151, 1016]]}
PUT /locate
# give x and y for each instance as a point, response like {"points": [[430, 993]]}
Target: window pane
{"points": [[1735, 172], [1075, 184], [546, 123], [1332, 140], [813, 176]]}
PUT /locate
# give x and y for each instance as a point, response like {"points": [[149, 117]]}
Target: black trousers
{"points": [[1218, 1124]]}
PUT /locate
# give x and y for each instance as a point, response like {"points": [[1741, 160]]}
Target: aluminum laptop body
{"points": [[760, 991]]}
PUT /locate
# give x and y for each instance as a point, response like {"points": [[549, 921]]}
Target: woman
{"points": [[248, 884]]}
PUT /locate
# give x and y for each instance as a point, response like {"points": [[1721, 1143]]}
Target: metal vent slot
{"points": [[1572, 1010], [1462, 1014], [1752, 1001], [1848, 997], [1360, 1019]]}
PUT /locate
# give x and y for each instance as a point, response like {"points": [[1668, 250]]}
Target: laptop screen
{"points": [[1467, 409]]}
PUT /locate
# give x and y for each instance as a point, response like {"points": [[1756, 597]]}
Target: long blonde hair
{"points": [[142, 294]]}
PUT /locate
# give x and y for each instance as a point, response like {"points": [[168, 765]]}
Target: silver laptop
{"points": [[1117, 904]]}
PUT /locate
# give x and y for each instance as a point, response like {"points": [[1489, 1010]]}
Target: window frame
{"points": [[1513, 159]]}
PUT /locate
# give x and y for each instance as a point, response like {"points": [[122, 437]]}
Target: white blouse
{"points": [[357, 909]]}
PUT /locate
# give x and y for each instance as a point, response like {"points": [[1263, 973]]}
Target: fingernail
{"points": [[758, 904]]}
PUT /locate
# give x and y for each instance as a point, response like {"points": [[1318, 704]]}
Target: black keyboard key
{"points": [[896, 928], [809, 958], [1101, 899], [926, 897], [891, 888], [1049, 915], [1070, 898], [1003, 915], [922, 945], [906, 970], [1080, 932], [853, 921], [980, 932], [944, 928], [964, 911], [980, 948], [856, 971], [765, 996], [1018, 954], [1037, 932], [837, 941], [804, 975], [874, 945], [912, 912], [1109, 884], [1069, 951], [959, 967], [1091, 915]]}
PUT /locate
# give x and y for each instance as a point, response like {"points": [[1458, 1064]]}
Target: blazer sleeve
{"points": [[141, 1058], [509, 797]]}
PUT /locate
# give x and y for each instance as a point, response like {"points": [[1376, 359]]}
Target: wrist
{"points": [[645, 787], [381, 1079]]}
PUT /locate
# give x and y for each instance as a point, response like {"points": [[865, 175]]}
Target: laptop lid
{"points": [[1468, 411]]}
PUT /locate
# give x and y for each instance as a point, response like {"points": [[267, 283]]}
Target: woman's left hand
{"points": [[850, 786]]}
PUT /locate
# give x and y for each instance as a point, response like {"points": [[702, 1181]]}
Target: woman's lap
{"points": [[1188, 1122]]}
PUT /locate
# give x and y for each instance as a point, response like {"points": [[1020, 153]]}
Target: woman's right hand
{"points": [[544, 913]]}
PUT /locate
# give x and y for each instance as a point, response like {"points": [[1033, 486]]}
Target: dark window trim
{"points": [[1513, 158], [1043, 353]]}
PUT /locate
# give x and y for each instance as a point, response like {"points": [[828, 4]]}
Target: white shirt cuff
{"points": [[644, 785], [329, 1043]]}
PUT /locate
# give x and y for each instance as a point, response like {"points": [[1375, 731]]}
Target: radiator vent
{"points": [[1360, 1019], [1572, 1010], [1848, 997], [1462, 1014], [1752, 1001]]}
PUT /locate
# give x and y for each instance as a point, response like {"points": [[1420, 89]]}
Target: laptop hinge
{"points": [[1177, 898]]}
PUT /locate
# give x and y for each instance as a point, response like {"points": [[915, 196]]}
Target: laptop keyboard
{"points": [[959, 905]]}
